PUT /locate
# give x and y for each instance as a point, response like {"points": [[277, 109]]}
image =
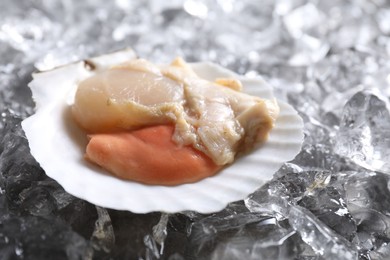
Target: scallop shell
{"points": [[58, 145]]}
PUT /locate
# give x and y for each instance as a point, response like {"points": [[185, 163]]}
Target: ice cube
{"points": [[323, 240], [364, 137]]}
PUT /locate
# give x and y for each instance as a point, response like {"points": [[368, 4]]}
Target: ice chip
{"points": [[329, 206], [280, 243], [383, 17], [367, 198], [364, 135], [103, 237], [303, 19], [309, 50], [324, 241], [196, 8], [160, 231], [367, 190]]}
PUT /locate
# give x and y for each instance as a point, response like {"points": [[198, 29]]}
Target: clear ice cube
{"points": [[364, 135]]}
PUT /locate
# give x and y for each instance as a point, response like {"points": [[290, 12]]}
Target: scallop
{"points": [[126, 98], [213, 117], [58, 142]]}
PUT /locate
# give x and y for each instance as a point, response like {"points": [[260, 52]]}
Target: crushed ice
{"points": [[329, 59]]}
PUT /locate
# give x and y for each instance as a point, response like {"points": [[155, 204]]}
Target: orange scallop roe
{"points": [[149, 156]]}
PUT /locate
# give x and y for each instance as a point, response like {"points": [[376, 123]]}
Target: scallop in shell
{"points": [[58, 144]]}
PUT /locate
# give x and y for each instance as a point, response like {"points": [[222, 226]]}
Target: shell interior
{"points": [[58, 145]]}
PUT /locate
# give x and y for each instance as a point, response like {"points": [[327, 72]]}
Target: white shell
{"points": [[58, 145]]}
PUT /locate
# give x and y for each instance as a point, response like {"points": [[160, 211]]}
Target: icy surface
{"points": [[329, 59]]}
